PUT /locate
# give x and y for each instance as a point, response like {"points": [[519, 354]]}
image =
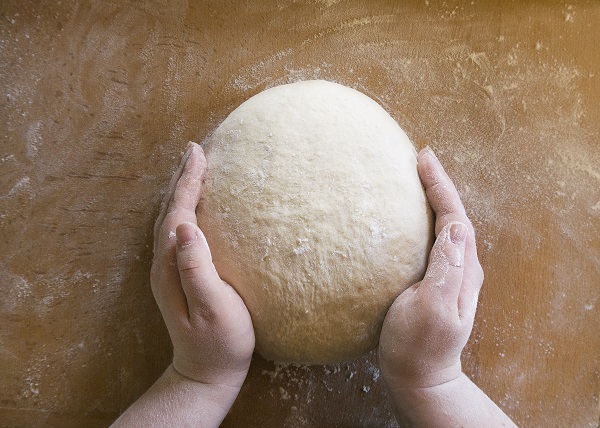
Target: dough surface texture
{"points": [[315, 214]]}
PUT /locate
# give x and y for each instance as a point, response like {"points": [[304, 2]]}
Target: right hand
{"points": [[429, 324]]}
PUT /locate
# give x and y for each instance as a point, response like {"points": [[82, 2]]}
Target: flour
{"points": [[22, 184], [511, 128], [295, 388], [92, 90]]}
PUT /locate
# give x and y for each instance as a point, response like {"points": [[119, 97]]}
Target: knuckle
{"points": [[161, 262], [480, 274], [171, 208], [189, 267]]}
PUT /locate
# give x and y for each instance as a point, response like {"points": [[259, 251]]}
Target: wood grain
{"points": [[100, 98]]}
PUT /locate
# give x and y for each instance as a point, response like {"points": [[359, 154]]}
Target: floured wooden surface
{"points": [[99, 100]]}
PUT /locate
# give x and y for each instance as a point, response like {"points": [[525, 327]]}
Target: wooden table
{"points": [[100, 98]]}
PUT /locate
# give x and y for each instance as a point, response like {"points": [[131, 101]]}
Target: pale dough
{"points": [[315, 214]]}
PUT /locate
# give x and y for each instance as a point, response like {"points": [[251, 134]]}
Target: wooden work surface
{"points": [[100, 98]]}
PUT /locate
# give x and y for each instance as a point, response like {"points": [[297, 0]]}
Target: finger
{"points": [[184, 198], [445, 201], [166, 283], [166, 287], [441, 192], [200, 281], [187, 189], [469, 293], [162, 212], [444, 275]]}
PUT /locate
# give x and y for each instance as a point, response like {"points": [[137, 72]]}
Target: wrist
{"points": [[405, 384], [177, 400], [409, 398], [226, 375], [222, 394], [411, 402], [457, 402]]}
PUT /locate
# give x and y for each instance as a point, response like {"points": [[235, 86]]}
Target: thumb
{"points": [[445, 271], [199, 278]]}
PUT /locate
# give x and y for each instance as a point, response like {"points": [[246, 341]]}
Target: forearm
{"points": [[175, 400], [458, 403]]}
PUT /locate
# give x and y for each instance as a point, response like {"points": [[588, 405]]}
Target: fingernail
{"points": [[188, 151], [428, 151], [458, 232], [186, 234]]}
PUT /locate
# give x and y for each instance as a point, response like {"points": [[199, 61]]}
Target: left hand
{"points": [[209, 324]]}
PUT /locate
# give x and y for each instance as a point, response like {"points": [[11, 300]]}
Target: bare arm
{"points": [[429, 324], [209, 324], [456, 403], [177, 401]]}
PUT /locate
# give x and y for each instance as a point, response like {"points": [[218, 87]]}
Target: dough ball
{"points": [[315, 214]]}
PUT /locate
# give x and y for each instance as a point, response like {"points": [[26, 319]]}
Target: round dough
{"points": [[315, 214]]}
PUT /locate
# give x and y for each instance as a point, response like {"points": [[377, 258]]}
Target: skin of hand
{"points": [[428, 325], [209, 325]]}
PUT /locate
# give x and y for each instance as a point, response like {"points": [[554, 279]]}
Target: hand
{"points": [[209, 324], [429, 324]]}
